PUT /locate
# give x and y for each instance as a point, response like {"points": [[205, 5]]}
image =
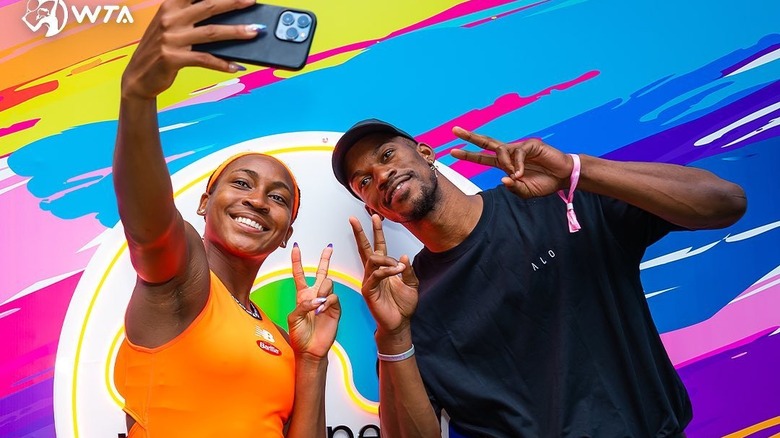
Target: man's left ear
{"points": [[372, 212], [426, 152]]}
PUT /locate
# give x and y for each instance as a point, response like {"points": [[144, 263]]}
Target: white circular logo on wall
{"points": [[86, 402], [51, 14]]}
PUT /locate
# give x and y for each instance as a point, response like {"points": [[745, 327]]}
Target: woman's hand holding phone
{"points": [[284, 44], [166, 46]]}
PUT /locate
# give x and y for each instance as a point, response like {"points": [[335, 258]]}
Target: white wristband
{"points": [[396, 357]]}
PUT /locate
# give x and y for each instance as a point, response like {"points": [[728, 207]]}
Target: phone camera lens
{"points": [[304, 21], [292, 33], [288, 19]]}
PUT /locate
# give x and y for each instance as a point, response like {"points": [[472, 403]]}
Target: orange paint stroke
{"points": [[764, 425], [76, 43], [96, 63]]}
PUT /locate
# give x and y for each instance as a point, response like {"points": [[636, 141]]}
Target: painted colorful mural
{"points": [[693, 82]]}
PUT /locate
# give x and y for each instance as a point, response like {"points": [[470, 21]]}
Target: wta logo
{"points": [[53, 15]]}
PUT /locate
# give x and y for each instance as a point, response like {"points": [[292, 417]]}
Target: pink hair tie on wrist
{"points": [[574, 226]]}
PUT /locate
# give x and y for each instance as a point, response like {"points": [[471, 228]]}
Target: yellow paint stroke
{"points": [[93, 95]]}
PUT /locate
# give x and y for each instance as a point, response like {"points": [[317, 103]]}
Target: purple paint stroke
{"points": [[729, 395], [750, 59], [675, 145], [29, 412], [31, 351]]}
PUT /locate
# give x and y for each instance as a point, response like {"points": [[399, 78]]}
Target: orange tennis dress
{"points": [[226, 375]]}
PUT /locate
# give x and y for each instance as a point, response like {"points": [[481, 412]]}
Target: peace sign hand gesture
{"points": [[390, 298], [314, 321], [533, 167]]}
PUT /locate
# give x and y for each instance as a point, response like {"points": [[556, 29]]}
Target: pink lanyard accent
{"points": [[574, 226]]}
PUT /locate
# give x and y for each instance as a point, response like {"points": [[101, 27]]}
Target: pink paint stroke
{"points": [[30, 251], [265, 77], [10, 181], [738, 323], [503, 14], [262, 78], [16, 127], [474, 119], [30, 335], [214, 95], [4, 3]]}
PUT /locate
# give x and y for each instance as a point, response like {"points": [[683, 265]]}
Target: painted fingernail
{"points": [[319, 309], [236, 67], [252, 28], [295, 244], [330, 245], [318, 300]]}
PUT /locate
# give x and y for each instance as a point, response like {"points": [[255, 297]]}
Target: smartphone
{"points": [[284, 44]]}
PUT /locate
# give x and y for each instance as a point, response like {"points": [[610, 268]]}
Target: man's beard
{"points": [[429, 196]]}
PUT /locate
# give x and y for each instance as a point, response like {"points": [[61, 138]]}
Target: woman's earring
{"points": [[283, 244]]}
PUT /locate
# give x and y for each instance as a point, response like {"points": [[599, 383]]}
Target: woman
{"points": [[199, 358]]}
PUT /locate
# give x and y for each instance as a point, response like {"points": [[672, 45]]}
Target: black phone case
{"points": [[266, 49]]}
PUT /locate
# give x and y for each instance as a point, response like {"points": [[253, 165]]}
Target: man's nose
{"points": [[384, 175]]}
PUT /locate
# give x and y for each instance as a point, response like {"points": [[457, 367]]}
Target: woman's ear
{"points": [[204, 199]]}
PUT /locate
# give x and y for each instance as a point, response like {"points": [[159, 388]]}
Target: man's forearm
{"points": [[688, 197], [404, 408]]}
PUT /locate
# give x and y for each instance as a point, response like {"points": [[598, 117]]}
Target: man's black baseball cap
{"points": [[352, 136]]}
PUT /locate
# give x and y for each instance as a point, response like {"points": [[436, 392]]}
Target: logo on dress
{"points": [[265, 334], [268, 348]]}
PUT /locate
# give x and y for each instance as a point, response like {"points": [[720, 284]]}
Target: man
{"points": [[530, 320]]}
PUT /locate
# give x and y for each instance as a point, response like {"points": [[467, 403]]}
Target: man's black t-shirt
{"points": [[527, 330]]}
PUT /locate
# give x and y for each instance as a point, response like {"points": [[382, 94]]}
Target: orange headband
{"points": [[297, 191]]}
